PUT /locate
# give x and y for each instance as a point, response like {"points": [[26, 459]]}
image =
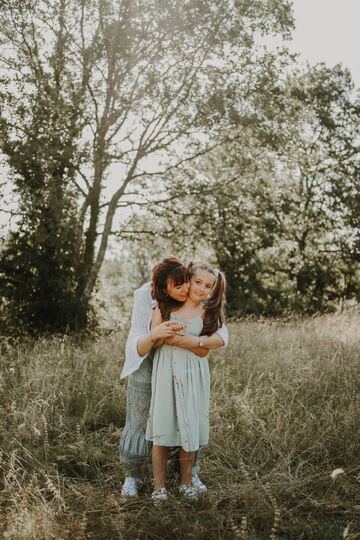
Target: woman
{"points": [[170, 284]]}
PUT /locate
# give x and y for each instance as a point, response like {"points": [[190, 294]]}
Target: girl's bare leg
{"points": [[159, 459], [186, 463]]}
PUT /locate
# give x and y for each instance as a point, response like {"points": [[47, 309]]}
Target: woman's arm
{"points": [[140, 319], [224, 334], [193, 343]]}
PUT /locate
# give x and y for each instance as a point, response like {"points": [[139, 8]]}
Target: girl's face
{"points": [[177, 292], [201, 283]]}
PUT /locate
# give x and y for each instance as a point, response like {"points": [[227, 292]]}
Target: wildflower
{"points": [[336, 473]]}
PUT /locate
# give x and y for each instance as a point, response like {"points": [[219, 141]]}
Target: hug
{"points": [[177, 318]]}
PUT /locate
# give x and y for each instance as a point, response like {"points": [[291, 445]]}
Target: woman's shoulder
{"points": [[142, 295], [144, 290]]}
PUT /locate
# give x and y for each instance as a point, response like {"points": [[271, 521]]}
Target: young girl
{"points": [[179, 409]]}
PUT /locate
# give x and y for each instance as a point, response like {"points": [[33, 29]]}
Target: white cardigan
{"points": [[140, 324]]}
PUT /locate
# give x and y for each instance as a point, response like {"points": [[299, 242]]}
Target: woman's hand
{"points": [[167, 329], [187, 342], [172, 340]]}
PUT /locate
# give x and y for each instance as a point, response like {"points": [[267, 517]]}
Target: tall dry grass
{"points": [[285, 414]]}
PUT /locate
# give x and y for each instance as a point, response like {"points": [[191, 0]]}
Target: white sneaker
{"points": [[197, 484], [129, 488], [188, 491], [159, 495]]}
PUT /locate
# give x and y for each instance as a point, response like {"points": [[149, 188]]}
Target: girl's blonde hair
{"points": [[214, 305]]}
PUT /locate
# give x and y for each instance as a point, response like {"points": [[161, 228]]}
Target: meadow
{"points": [[283, 460]]}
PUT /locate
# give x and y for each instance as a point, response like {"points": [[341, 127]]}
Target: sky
{"points": [[328, 30]]}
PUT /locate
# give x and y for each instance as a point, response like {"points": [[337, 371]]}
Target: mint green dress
{"points": [[179, 408]]}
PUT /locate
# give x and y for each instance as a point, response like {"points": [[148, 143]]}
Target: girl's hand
{"points": [[167, 329]]}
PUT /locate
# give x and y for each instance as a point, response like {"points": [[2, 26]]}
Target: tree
{"points": [[317, 134], [100, 88], [278, 204]]}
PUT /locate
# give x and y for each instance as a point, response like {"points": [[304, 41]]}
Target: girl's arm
{"points": [[157, 323], [156, 320], [158, 331]]}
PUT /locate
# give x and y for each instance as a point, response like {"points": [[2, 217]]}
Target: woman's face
{"points": [[201, 283], [177, 292]]}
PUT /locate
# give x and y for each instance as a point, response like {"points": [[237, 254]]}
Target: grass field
{"points": [[284, 416]]}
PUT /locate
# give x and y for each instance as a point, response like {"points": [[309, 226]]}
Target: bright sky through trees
{"points": [[328, 30]]}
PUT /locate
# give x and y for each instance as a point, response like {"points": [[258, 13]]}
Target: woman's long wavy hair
{"points": [[214, 304], [169, 268]]}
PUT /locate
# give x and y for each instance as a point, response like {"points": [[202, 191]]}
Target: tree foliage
{"points": [[279, 204], [93, 90]]}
